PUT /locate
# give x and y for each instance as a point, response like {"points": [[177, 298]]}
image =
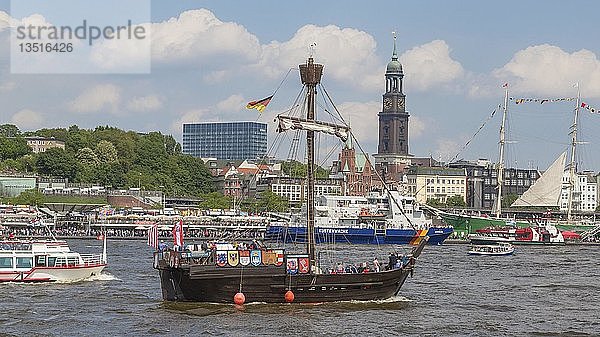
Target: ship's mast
{"points": [[310, 74], [498, 205], [573, 151]]}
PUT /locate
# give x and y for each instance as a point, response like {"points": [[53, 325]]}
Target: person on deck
{"points": [[393, 260], [376, 265], [162, 246]]}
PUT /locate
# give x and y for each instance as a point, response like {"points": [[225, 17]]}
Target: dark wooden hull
{"points": [[209, 283]]}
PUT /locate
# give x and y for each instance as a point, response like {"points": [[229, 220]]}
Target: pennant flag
{"points": [[541, 100], [259, 105], [153, 236], [589, 108], [178, 233]]}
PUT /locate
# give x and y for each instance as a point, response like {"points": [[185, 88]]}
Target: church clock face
{"points": [[387, 103], [400, 102]]}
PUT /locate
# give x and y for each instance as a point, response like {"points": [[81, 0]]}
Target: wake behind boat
{"points": [[275, 276]]}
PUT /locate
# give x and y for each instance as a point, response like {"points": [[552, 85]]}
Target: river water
{"points": [[539, 291]]}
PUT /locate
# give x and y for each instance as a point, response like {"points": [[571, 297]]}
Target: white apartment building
{"points": [[585, 192]]}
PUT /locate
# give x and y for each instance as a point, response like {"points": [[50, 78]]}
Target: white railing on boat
{"points": [[92, 259]]}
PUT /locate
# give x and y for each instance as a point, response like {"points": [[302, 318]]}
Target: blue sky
{"points": [[209, 58]]}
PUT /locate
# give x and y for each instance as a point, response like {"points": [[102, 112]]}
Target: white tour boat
{"points": [[46, 261], [493, 249]]}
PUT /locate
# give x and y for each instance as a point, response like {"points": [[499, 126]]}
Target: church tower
{"points": [[393, 119], [392, 157]]}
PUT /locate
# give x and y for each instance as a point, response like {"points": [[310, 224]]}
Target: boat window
{"points": [[72, 261], [6, 262], [40, 261], [60, 262], [51, 261], [24, 261]]}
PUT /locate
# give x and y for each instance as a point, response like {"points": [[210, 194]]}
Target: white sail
{"points": [[545, 192], [293, 123]]}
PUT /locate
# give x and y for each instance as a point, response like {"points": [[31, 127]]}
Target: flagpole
{"points": [[498, 206], [573, 150]]}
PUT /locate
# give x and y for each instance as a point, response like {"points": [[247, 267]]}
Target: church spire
{"points": [[394, 54]]}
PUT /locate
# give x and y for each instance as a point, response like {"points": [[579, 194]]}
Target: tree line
{"points": [[108, 156]]}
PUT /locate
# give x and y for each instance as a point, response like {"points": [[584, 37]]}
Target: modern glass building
{"points": [[231, 140]]}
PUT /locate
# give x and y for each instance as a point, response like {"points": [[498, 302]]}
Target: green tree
{"points": [[13, 148], [215, 200], [294, 169], [434, 202], [87, 156], [9, 130], [297, 169], [455, 201], [58, 163], [111, 174], [171, 145], [106, 152], [29, 197], [271, 202], [509, 199]]}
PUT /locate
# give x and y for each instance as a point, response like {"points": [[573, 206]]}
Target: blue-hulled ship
{"points": [[377, 218]]}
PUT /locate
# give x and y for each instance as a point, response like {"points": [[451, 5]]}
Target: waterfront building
{"points": [[440, 183], [294, 189], [228, 140], [12, 186], [482, 182], [585, 193], [41, 144]]}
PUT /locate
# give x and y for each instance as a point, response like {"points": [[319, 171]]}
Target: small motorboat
{"points": [[492, 249]]}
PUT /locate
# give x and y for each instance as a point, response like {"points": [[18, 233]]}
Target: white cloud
{"points": [[233, 103], [446, 149], [192, 116], [416, 127], [145, 103], [198, 36], [124, 55], [101, 97], [348, 54], [221, 49], [7, 86], [363, 121], [4, 20], [548, 70], [27, 119], [430, 65]]}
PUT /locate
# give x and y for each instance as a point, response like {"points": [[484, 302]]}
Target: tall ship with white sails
{"points": [[545, 193]]}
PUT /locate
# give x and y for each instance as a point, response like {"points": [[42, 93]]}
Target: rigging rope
{"points": [[275, 92], [474, 135]]}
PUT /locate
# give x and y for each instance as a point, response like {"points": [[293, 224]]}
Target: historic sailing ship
{"points": [[545, 192], [226, 273]]}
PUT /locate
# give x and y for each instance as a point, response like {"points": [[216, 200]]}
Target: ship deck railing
{"points": [[92, 259], [175, 259]]}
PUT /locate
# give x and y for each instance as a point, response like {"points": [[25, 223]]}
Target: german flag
{"points": [[259, 105]]}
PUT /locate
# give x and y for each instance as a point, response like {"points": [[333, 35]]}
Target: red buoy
{"points": [[239, 298], [289, 296]]}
